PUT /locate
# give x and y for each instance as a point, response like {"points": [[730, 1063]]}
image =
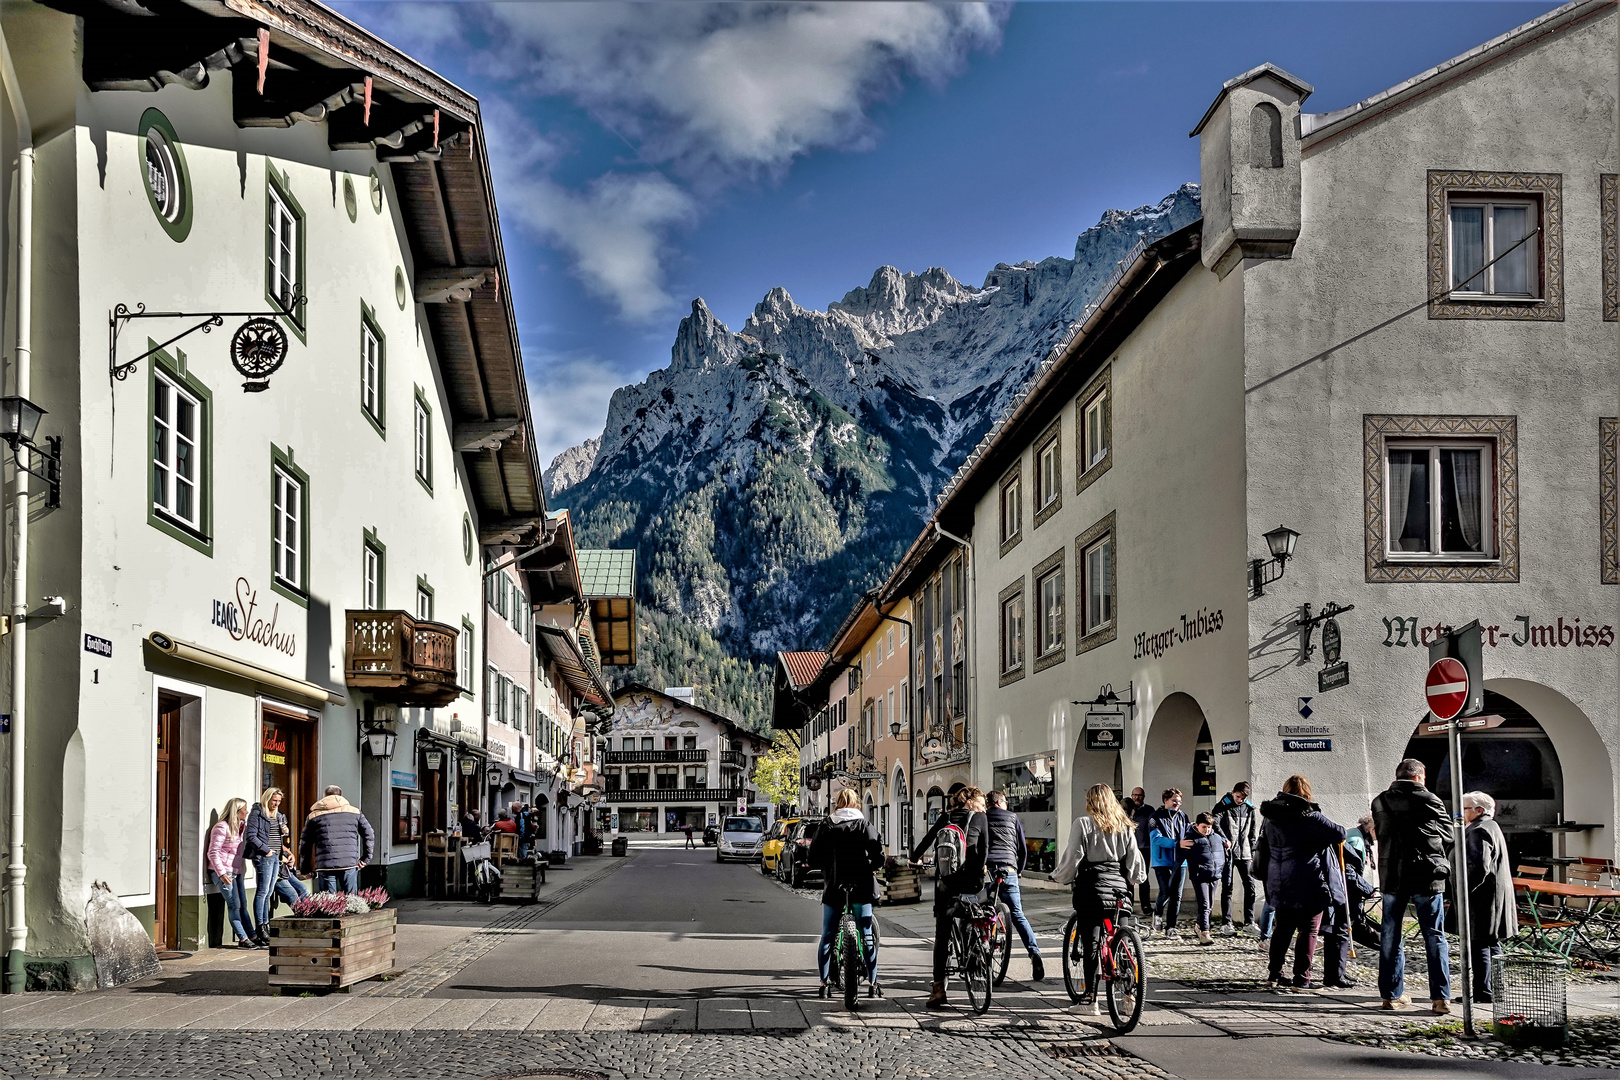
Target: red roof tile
{"points": [[803, 667]]}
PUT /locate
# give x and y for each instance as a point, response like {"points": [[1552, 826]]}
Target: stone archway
{"points": [[1172, 745]]}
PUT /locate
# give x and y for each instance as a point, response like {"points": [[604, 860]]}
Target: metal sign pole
{"points": [[1460, 862]]}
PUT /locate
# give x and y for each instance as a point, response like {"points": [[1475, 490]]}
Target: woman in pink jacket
{"points": [[225, 864]]}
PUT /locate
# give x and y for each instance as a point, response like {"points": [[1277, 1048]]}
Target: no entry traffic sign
{"points": [[1447, 688]]}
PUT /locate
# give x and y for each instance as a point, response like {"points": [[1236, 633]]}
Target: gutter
{"points": [[17, 869]]}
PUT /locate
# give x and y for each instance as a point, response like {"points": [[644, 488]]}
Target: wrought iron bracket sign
{"points": [[258, 347], [1330, 632]]}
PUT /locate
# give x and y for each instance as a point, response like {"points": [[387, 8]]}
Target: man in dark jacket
{"points": [[1299, 862], [1237, 824], [1413, 828], [1168, 823], [1009, 852], [967, 814], [1493, 912], [336, 843], [1141, 814]]}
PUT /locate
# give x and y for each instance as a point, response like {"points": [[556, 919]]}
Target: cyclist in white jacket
{"points": [[1104, 864]]}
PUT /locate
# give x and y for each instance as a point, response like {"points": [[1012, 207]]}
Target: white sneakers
{"points": [[1204, 938]]}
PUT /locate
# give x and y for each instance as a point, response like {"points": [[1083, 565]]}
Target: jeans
{"points": [[1204, 893], [1486, 958], [236, 907], [830, 917], [1292, 922], [344, 881], [1336, 956], [289, 889], [1171, 879], [1392, 953], [1267, 920], [1244, 869], [267, 868], [1014, 901]]}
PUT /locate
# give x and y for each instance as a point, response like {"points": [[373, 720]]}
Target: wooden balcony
{"points": [[399, 659], [652, 757], [733, 757]]}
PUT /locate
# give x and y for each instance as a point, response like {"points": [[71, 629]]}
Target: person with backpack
{"points": [[847, 851], [1008, 852], [1299, 862], [1202, 856], [1103, 862], [1414, 831], [959, 841], [1237, 824], [1166, 830]]}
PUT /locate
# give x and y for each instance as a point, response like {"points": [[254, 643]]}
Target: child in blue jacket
{"points": [[1203, 853]]}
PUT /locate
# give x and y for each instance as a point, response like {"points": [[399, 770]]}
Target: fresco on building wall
{"points": [[650, 711]]}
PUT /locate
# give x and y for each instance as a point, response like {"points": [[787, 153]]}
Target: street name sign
{"points": [[1446, 688], [1307, 746], [1472, 723], [1333, 676]]}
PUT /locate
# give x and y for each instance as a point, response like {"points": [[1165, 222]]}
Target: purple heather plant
{"points": [[375, 897]]}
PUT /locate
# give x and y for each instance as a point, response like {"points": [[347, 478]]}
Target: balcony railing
{"points": [[674, 795], [652, 757], [397, 658], [733, 757]]}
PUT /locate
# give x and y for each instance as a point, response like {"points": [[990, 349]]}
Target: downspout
{"points": [[17, 870], [972, 657]]}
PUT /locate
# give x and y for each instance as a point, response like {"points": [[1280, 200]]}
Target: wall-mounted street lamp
{"points": [[1280, 541], [19, 420]]}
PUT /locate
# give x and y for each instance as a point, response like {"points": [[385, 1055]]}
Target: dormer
{"points": [[1248, 156]]}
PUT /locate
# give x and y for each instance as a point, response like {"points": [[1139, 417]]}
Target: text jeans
{"points": [[236, 908], [343, 881], [1392, 953], [290, 889], [1171, 879], [1146, 888], [1486, 958], [830, 917], [1244, 869], [1014, 901]]}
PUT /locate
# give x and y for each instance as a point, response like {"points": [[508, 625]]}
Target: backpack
{"points": [[950, 849]]}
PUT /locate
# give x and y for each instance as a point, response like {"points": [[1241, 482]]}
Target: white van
{"points": [[740, 838]]}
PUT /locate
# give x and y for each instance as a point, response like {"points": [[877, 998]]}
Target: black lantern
{"points": [[19, 420], [1280, 541]]}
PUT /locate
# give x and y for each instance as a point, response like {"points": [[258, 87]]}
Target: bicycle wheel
{"points": [[1127, 980], [835, 963], [976, 972], [850, 962], [1074, 980], [1001, 943]]}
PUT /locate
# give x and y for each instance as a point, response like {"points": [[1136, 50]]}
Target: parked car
{"points": [[739, 839], [711, 835], [793, 864], [771, 847]]}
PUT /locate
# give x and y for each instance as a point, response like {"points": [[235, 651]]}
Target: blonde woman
{"points": [[262, 839], [1103, 862], [847, 852], [225, 863]]}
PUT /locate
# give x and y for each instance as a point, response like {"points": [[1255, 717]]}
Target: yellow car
{"points": [[771, 849]]}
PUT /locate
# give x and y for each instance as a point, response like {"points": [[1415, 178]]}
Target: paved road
{"points": [[670, 923]]}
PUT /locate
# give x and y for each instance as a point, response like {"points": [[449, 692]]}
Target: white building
{"points": [[252, 582]]}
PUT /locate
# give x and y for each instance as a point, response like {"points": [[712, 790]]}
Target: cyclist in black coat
{"points": [[848, 852], [967, 814]]}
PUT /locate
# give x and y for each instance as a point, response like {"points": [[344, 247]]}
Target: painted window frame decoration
{"points": [[1501, 431], [1086, 637], [376, 413], [1044, 656], [1011, 488], [423, 589], [1609, 497], [155, 138], [422, 442], [1609, 212], [1546, 190], [1012, 671], [1101, 387], [1051, 438], [282, 471], [197, 535]]}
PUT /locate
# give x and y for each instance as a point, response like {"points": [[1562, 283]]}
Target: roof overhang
{"points": [[575, 663], [608, 580], [1263, 71]]}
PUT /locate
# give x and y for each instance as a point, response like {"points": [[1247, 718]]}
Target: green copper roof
{"points": [[604, 572]]}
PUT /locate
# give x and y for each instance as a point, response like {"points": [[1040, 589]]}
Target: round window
{"points": [[467, 537], [399, 287], [376, 191], [349, 202], [163, 167]]}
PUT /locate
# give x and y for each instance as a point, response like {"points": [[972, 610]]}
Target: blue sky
{"points": [[647, 154]]}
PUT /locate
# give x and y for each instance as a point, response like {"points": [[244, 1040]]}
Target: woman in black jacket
{"points": [[1300, 867], [848, 852], [262, 839]]}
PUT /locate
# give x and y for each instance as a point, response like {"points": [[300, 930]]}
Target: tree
{"points": [[776, 772]]}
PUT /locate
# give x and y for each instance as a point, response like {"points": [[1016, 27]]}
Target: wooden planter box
{"points": [[330, 953], [899, 885], [522, 883]]}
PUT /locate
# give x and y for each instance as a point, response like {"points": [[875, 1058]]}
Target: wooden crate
{"points": [[330, 953], [522, 883], [899, 885]]}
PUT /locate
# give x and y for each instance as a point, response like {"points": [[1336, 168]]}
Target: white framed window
{"points": [[424, 450], [1440, 500], [1095, 436], [464, 675], [1012, 508], [888, 643], [370, 371], [282, 271], [371, 561], [1047, 475], [163, 176], [424, 603], [1012, 633], [1482, 228], [287, 535], [903, 703], [1049, 597], [176, 456], [492, 693], [1098, 570], [501, 701]]}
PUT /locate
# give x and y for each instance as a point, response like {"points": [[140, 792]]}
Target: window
{"points": [[1049, 472], [284, 251], [636, 779], [629, 744], [424, 601], [670, 742], [689, 742], [1098, 568], [1440, 499], [423, 443], [176, 454], [492, 692], [889, 643], [287, 528], [1046, 471], [903, 702], [668, 777], [697, 776], [1265, 136], [1484, 231], [464, 672], [1012, 512], [1094, 431], [371, 576], [371, 370], [1012, 631], [1474, 217], [647, 743], [164, 167], [888, 715], [1049, 593]]}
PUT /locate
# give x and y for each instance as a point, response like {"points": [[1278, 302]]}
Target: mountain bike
{"points": [[1001, 945], [970, 952], [1120, 966], [851, 961]]}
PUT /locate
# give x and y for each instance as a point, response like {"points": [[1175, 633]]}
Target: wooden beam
{"points": [[511, 530], [442, 284], [136, 54], [311, 99], [485, 434]]}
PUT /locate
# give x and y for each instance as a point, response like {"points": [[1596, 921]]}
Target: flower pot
{"points": [[329, 952]]}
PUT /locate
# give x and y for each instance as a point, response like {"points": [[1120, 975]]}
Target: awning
{"points": [[521, 777], [242, 669], [577, 670]]}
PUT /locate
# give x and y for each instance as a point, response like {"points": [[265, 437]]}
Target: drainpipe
{"points": [[17, 871], [972, 658]]}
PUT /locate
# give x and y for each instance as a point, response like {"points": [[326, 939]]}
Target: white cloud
{"points": [[568, 396]]}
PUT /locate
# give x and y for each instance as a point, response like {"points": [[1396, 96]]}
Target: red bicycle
{"points": [[1120, 966]]}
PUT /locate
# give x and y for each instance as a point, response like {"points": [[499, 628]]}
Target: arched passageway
{"points": [[1176, 738]]}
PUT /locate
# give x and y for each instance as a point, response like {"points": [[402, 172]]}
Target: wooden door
{"points": [[167, 900]]}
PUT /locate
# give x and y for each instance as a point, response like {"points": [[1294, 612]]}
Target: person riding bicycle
{"points": [[847, 852], [960, 842], [1103, 862], [1008, 853]]}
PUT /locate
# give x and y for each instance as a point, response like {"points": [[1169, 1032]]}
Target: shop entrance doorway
{"points": [[166, 923], [287, 761]]}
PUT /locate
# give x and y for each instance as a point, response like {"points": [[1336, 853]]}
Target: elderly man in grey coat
{"points": [[1493, 915]]}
